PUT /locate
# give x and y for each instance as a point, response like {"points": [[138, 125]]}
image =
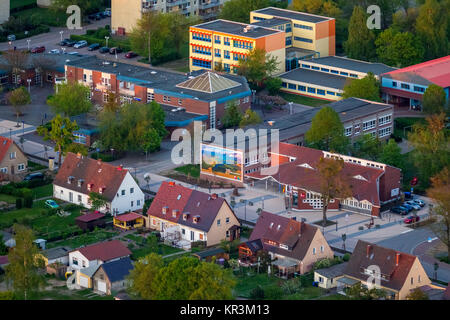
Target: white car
{"points": [[419, 202], [73, 53], [413, 204], [80, 44], [54, 51]]}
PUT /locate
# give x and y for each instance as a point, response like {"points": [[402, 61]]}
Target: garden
{"points": [[141, 246]]}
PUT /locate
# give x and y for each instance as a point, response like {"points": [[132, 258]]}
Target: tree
{"points": [[179, 25], [71, 99], [112, 103], [143, 277], [14, 62], [360, 42], [3, 247], [327, 132], [417, 294], [333, 183], [404, 21], [434, 100], [439, 192], [250, 117], [391, 154], [366, 88], [97, 200], [19, 98], [24, 263], [400, 49], [320, 7], [213, 282], [273, 85], [367, 147], [232, 116], [61, 133], [152, 141], [431, 147], [258, 66], [239, 10], [431, 28], [76, 148]]}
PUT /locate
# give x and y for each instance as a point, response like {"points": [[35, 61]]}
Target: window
{"points": [[394, 84], [384, 132], [201, 36], [315, 68], [183, 231], [348, 131], [79, 138], [201, 63], [227, 220], [284, 84], [288, 41], [131, 190], [83, 263], [303, 39], [321, 92], [75, 261], [335, 71], [12, 155], [217, 39], [384, 120], [369, 124], [412, 280], [301, 88], [331, 93], [4, 170], [226, 41], [344, 74], [150, 97], [200, 236], [21, 167], [226, 54], [123, 192], [291, 86], [302, 26], [306, 66], [322, 248], [314, 251], [311, 90], [132, 203], [218, 222], [79, 198], [419, 89], [324, 69], [217, 53], [405, 86]]}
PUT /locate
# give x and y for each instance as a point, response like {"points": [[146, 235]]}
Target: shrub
{"points": [[198, 244], [257, 293], [291, 286], [19, 203], [273, 292], [28, 201], [346, 257]]}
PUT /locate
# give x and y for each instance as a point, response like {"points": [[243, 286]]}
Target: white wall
{"points": [[80, 258], [122, 203], [4, 10]]}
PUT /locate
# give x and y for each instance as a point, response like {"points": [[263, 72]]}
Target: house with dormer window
{"points": [[293, 246], [183, 215], [79, 176]]}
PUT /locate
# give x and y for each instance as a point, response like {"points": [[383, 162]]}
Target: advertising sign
{"points": [[222, 162]]}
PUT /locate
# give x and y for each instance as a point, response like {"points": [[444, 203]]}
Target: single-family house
{"points": [[78, 176], [13, 162], [294, 246], [327, 277], [111, 276], [395, 272], [185, 215]]}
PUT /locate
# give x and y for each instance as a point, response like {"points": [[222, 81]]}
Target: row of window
{"points": [[302, 26], [342, 73], [408, 87], [201, 63], [237, 56], [312, 90], [20, 167], [201, 50], [384, 132], [303, 39], [226, 40], [201, 37], [357, 204], [242, 44]]}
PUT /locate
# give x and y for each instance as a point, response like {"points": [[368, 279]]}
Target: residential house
{"points": [[111, 276], [295, 246], [84, 275], [185, 215], [405, 87], [13, 162], [80, 175], [327, 277], [395, 272]]}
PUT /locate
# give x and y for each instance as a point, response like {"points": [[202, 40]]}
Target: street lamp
{"points": [[10, 43], [29, 83], [106, 37], [63, 50], [28, 43], [61, 33]]}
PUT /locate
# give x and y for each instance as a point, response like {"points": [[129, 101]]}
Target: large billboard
{"points": [[222, 162]]}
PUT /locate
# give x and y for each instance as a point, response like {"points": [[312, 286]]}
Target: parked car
{"points": [[398, 210], [103, 50], [51, 203], [38, 49], [114, 50], [70, 43], [413, 204], [98, 16], [411, 219], [73, 53], [408, 195], [94, 46], [406, 207], [11, 37], [54, 51], [64, 42], [131, 54], [34, 176], [107, 12], [419, 202], [80, 44]]}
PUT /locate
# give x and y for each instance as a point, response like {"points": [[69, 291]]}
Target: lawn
{"points": [[43, 191], [334, 297], [44, 17], [245, 284], [7, 198], [84, 239], [62, 293], [289, 97], [163, 250], [190, 169]]}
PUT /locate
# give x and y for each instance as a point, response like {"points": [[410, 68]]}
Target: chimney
{"points": [[171, 183], [397, 258], [99, 162], [79, 155], [214, 196], [368, 250], [120, 167]]}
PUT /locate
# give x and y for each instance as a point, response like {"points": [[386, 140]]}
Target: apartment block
{"points": [[219, 44]]}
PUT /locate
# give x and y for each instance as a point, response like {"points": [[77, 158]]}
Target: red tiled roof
{"points": [[184, 200], [364, 256], [97, 173], [90, 217], [128, 217], [5, 143], [292, 173], [282, 230], [436, 71], [105, 251]]}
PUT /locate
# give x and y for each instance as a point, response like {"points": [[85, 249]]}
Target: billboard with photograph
{"points": [[222, 162]]}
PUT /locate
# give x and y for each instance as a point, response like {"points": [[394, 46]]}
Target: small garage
{"points": [[110, 277], [84, 276]]}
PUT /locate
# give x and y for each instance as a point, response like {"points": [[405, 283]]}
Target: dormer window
{"points": [[278, 228], [164, 210], [174, 213], [179, 197], [80, 182], [185, 216], [196, 219], [271, 225], [90, 186], [101, 190]]}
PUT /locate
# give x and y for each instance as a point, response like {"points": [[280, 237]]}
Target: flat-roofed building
{"points": [[219, 44]]}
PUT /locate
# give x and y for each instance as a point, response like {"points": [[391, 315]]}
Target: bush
{"points": [[273, 85], [198, 244], [28, 201], [19, 203], [346, 257], [273, 292], [257, 293]]}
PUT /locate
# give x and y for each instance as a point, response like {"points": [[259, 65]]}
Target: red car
{"points": [[411, 219], [38, 49], [130, 55]]}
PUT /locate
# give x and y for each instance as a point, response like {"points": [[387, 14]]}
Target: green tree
{"points": [[112, 103], [404, 21], [97, 200], [320, 7], [24, 263], [76, 148], [367, 147], [257, 67], [61, 133], [366, 88], [86, 6], [417, 294], [3, 247], [179, 29], [431, 28], [143, 277], [152, 140], [156, 118], [273, 85], [232, 116], [434, 100], [400, 49], [391, 154], [213, 282], [327, 131], [19, 98], [250, 117], [71, 99], [360, 42], [239, 10]]}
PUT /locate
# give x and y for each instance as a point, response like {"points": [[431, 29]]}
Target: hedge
{"points": [[111, 42]]}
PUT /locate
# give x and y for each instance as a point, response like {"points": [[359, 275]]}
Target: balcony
{"points": [[175, 3], [209, 5], [209, 15]]}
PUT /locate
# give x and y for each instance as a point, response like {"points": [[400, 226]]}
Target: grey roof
{"points": [[57, 252], [89, 271], [270, 23], [176, 118], [408, 76], [162, 80], [298, 123], [277, 12], [48, 61], [236, 28], [333, 271], [351, 64], [299, 53], [209, 82], [316, 78]]}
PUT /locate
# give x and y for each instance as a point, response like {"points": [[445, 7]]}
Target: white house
{"points": [[79, 176], [4, 10]]}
